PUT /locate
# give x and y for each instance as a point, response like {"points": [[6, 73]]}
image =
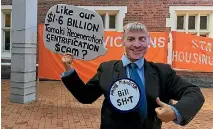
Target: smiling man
{"points": [[158, 84]]}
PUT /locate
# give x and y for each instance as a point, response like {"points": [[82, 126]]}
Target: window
{"points": [[6, 31], [103, 19], [203, 22], [112, 21], [109, 20], [191, 23], [197, 24], [112, 16], [196, 20], [6, 40], [180, 22]]}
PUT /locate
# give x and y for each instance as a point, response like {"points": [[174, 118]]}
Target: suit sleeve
{"points": [[84, 93], [190, 98]]}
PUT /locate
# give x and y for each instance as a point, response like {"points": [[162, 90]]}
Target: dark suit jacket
{"points": [[160, 81]]}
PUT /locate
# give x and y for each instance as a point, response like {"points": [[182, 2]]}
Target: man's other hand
{"points": [[165, 112]]}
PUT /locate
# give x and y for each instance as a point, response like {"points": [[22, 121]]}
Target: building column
{"points": [[23, 56]]}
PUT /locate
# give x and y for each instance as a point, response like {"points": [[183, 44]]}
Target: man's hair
{"points": [[135, 26]]}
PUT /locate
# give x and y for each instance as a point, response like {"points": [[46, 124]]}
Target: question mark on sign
{"points": [[84, 53]]}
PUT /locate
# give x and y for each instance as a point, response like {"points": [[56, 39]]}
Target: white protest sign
{"points": [[74, 30], [124, 95]]}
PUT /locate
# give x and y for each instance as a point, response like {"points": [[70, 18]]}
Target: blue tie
{"points": [[135, 76]]}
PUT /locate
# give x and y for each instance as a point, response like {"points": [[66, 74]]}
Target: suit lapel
{"points": [[151, 81], [120, 71]]}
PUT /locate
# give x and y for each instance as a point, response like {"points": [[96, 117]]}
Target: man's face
{"points": [[136, 44]]}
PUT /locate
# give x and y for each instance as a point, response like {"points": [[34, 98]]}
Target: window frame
{"points": [[5, 9], [189, 11], [118, 11]]}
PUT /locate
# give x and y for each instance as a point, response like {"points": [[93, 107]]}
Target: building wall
{"points": [[152, 13], [201, 79]]}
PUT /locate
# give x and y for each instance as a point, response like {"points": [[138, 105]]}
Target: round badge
{"points": [[124, 95]]}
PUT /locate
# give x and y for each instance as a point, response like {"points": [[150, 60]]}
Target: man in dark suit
{"points": [[159, 82]]}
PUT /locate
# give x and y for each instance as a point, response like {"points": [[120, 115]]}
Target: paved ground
{"points": [[55, 108]]}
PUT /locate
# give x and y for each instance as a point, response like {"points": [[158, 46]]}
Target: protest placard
{"points": [[73, 30]]}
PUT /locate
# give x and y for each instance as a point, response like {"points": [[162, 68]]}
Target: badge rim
{"points": [[126, 111]]}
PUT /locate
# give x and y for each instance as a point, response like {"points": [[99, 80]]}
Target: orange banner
{"points": [[157, 51], [50, 65], [192, 52]]}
